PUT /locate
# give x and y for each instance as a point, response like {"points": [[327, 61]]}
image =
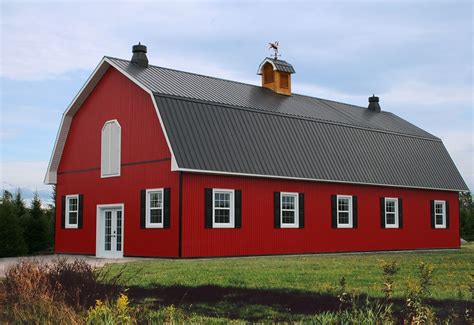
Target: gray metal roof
{"points": [[189, 85], [212, 137], [221, 126]]}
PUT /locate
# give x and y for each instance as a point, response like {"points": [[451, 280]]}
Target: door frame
{"points": [[99, 252]]}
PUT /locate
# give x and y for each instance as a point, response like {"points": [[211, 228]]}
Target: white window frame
{"points": [[351, 220], [148, 223], [102, 174], [231, 223], [397, 215], [443, 225], [68, 225], [296, 210]]}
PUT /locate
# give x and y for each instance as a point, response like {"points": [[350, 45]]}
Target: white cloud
{"points": [[426, 95], [28, 174]]}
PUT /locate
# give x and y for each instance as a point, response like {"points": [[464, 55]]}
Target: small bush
{"points": [[416, 310], [106, 313], [57, 291]]}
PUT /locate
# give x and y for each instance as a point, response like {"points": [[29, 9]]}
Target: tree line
{"points": [[466, 216], [25, 230]]}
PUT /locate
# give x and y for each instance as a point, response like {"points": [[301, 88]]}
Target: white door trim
{"points": [[99, 252]]}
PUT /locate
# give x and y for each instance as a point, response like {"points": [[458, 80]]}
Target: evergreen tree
{"points": [[37, 229], [20, 208], [12, 242]]}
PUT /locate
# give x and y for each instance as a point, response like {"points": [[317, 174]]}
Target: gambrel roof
{"points": [[226, 127]]}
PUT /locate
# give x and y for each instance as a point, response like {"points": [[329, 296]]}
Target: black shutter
{"points": [[166, 207], [447, 214], [334, 211], [382, 212], [276, 222], [301, 209], [400, 213], [208, 208], [80, 209], [432, 214], [63, 211], [238, 209], [354, 212], [142, 208]]}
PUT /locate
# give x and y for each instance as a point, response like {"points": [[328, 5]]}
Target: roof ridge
{"points": [[240, 82], [300, 117]]}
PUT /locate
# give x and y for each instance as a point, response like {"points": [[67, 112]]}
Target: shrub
{"points": [[389, 271], [417, 311], [55, 290], [106, 313], [30, 297]]}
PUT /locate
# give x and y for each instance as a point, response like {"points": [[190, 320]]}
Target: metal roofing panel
{"points": [[184, 84], [212, 137]]}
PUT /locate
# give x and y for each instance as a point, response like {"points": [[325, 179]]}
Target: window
{"points": [[440, 214], [391, 213], [110, 149], [289, 210], [154, 208], [284, 80], [72, 211], [223, 208], [268, 73], [344, 211]]}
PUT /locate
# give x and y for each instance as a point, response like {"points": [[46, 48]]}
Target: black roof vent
{"points": [[139, 55], [374, 104]]}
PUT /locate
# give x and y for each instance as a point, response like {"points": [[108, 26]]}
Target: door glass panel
{"points": [[108, 230], [119, 230]]}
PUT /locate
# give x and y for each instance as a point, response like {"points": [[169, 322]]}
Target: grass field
{"points": [[290, 287]]}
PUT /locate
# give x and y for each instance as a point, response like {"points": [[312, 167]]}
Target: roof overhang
{"points": [[260, 67]]}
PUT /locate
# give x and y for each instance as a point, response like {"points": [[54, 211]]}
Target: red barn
{"points": [[151, 161]]}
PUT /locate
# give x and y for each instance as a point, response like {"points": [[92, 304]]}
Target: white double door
{"points": [[110, 232]]}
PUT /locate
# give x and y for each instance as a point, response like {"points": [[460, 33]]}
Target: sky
{"points": [[417, 56]]}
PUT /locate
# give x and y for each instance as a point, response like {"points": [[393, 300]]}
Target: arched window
{"points": [[110, 149]]}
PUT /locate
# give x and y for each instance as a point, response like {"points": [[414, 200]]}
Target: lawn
{"points": [[290, 287]]}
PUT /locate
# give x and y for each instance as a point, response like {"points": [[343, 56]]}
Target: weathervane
{"points": [[274, 46]]}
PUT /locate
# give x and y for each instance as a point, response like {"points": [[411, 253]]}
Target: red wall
{"points": [[116, 97], [257, 235]]}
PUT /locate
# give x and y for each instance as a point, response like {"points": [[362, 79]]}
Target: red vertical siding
{"points": [[145, 164], [258, 236]]}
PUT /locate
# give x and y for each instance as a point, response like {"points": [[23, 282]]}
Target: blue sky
{"points": [[416, 55]]}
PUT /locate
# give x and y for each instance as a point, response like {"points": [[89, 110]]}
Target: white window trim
{"points": [[68, 225], [296, 224], [443, 225], [102, 175], [397, 215], [148, 223], [231, 223], [351, 223]]}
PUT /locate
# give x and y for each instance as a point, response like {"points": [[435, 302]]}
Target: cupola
{"points": [[276, 75]]}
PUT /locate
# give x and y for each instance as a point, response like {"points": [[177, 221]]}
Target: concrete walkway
{"points": [[92, 260]]}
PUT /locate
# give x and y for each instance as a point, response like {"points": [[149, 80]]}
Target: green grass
{"points": [[280, 287]]}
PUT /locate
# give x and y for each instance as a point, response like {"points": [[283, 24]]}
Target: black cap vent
{"points": [[139, 55], [374, 104]]}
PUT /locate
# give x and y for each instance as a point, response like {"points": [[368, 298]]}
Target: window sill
{"points": [[289, 226], [223, 226], [154, 226]]}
